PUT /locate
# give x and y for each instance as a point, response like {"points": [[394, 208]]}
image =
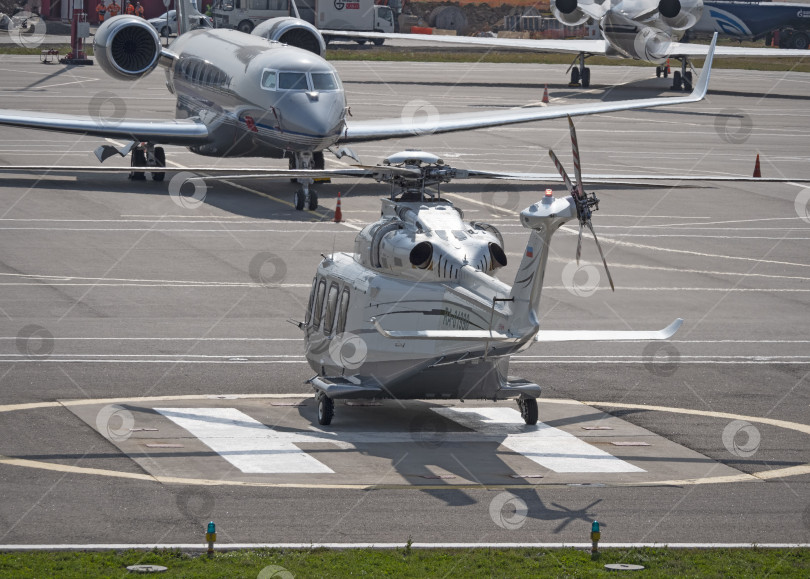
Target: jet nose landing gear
{"points": [[306, 197]]}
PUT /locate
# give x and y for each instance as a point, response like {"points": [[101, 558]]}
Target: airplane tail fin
{"points": [[543, 218], [184, 11]]}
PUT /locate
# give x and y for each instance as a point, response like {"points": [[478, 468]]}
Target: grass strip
{"points": [[416, 563]]}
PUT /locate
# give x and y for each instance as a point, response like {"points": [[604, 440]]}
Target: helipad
{"points": [[277, 441]]}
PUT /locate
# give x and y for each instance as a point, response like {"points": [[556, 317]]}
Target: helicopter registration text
{"points": [[455, 320]]}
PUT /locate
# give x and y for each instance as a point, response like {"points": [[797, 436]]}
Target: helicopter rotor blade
{"points": [[579, 242], [577, 164], [604, 262], [571, 189]]}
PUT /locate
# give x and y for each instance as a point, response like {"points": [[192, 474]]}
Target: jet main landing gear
{"points": [[580, 74], [682, 79], [147, 155]]}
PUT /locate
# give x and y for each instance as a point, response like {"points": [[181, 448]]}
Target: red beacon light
{"points": [[549, 193]]}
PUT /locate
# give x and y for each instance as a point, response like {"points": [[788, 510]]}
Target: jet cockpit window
{"points": [[324, 81], [292, 81], [316, 317], [269, 80], [331, 303]]}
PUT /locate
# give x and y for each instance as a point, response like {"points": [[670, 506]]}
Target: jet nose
{"points": [[315, 115]]}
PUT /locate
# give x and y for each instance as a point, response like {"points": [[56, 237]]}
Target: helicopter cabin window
{"points": [[324, 81], [331, 303], [269, 80], [308, 314], [292, 81], [343, 310], [316, 315]]}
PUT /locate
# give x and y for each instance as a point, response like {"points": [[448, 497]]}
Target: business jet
{"points": [[647, 30], [266, 94]]}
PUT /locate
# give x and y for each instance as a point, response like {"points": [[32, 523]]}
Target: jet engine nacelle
{"points": [[568, 12], [294, 32], [680, 14], [127, 47]]}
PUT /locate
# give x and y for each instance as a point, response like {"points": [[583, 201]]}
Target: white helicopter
{"points": [[415, 312]]}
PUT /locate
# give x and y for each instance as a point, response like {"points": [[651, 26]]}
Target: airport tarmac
{"points": [[144, 335]]}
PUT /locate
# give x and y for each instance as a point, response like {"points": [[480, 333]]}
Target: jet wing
{"points": [[166, 132], [596, 47], [678, 49], [398, 127]]}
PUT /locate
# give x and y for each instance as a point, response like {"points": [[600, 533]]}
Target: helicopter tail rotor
{"points": [[585, 203]]}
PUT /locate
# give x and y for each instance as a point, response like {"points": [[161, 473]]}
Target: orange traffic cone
{"points": [[338, 213], [757, 172], [545, 95]]}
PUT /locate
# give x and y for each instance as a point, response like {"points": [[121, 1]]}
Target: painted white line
{"points": [[308, 546], [244, 442], [549, 447]]}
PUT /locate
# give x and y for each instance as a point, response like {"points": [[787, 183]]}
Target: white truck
{"points": [[355, 15]]}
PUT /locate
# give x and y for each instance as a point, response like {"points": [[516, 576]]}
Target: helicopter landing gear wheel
{"points": [[138, 159], [300, 199], [528, 410], [160, 161], [326, 410]]}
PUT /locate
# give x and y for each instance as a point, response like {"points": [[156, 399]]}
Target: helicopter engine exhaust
{"points": [[422, 255]]}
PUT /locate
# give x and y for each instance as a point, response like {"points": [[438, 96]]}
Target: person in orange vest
{"points": [[130, 8], [138, 9], [101, 10], [114, 8]]}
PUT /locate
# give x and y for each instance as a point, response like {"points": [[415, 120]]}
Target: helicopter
{"points": [[416, 312]]}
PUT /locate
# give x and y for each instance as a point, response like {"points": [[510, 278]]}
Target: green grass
{"points": [[416, 563]]}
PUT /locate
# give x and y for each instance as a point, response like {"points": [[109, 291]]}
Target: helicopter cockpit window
{"points": [[292, 81], [342, 312], [324, 81], [269, 80], [331, 303], [316, 316], [308, 314]]}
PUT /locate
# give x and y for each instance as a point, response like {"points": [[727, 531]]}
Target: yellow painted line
{"points": [[742, 477]]}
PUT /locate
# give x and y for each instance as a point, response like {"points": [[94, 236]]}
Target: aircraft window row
{"points": [[301, 81], [202, 73], [328, 307]]}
